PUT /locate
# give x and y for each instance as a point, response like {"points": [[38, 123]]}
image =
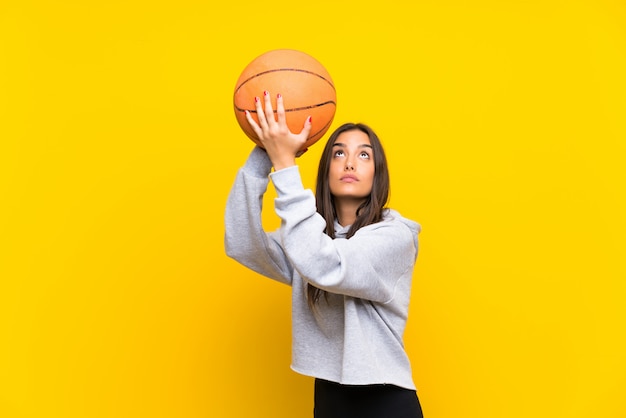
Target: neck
{"points": [[346, 211]]}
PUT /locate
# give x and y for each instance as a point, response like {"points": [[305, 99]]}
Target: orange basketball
{"points": [[304, 83]]}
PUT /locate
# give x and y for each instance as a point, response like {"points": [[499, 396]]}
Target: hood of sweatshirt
{"points": [[388, 215]]}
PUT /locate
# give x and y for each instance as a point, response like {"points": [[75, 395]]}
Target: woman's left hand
{"points": [[281, 144]]}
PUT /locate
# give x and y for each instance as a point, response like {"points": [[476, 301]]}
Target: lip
{"points": [[349, 178]]}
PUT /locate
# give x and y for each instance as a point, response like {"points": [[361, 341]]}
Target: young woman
{"points": [[348, 259]]}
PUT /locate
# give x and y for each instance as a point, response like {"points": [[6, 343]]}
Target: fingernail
{"points": [[256, 100], [279, 95], [265, 93], [310, 119]]}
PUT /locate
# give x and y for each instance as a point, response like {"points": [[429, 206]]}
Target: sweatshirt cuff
{"points": [[287, 180], [258, 163]]}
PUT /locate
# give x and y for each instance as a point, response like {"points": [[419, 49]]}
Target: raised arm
{"points": [[369, 265], [245, 240]]}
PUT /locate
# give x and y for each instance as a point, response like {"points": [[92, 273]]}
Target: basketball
{"points": [[304, 83]]}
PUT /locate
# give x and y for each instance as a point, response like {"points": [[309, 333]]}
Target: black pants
{"points": [[333, 400]]}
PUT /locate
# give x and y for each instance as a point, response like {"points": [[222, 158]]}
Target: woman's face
{"points": [[351, 173]]}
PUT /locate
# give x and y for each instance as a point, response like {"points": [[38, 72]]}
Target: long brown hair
{"points": [[369, 212]]}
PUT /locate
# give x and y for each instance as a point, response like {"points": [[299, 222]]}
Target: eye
{"points": [[364, 155], [338, 153]]}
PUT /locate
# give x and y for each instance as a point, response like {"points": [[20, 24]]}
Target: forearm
{"points": [[244, 239]]}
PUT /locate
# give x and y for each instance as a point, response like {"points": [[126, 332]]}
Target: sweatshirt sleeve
{"points": [[244, 238], [369, 265]]}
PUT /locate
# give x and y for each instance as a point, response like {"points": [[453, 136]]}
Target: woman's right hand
{"points": [[281, 144]]}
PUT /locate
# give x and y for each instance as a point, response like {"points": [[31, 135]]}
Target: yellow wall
{"points": [[505, 124]]}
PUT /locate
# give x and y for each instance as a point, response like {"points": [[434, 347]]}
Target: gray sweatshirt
{"points": [[355, 336]]}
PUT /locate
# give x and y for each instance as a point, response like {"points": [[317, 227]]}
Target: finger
{"points": [[303, 136], [269, 111], [306, 129], [259, 113], [255, 127], [280, 110]]}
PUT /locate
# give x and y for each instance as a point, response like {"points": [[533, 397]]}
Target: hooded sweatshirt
{"points": [[355, 335]]}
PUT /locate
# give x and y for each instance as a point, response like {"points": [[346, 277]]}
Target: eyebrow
{"points": [[341, 144]]}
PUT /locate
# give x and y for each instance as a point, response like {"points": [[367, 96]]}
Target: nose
{"points": [[349, 166]]}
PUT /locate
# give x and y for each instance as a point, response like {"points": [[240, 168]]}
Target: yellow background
{"points": [[505, 125]]}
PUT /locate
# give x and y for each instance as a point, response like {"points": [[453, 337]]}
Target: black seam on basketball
{"points": [[286, 69], [295, 109]]}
